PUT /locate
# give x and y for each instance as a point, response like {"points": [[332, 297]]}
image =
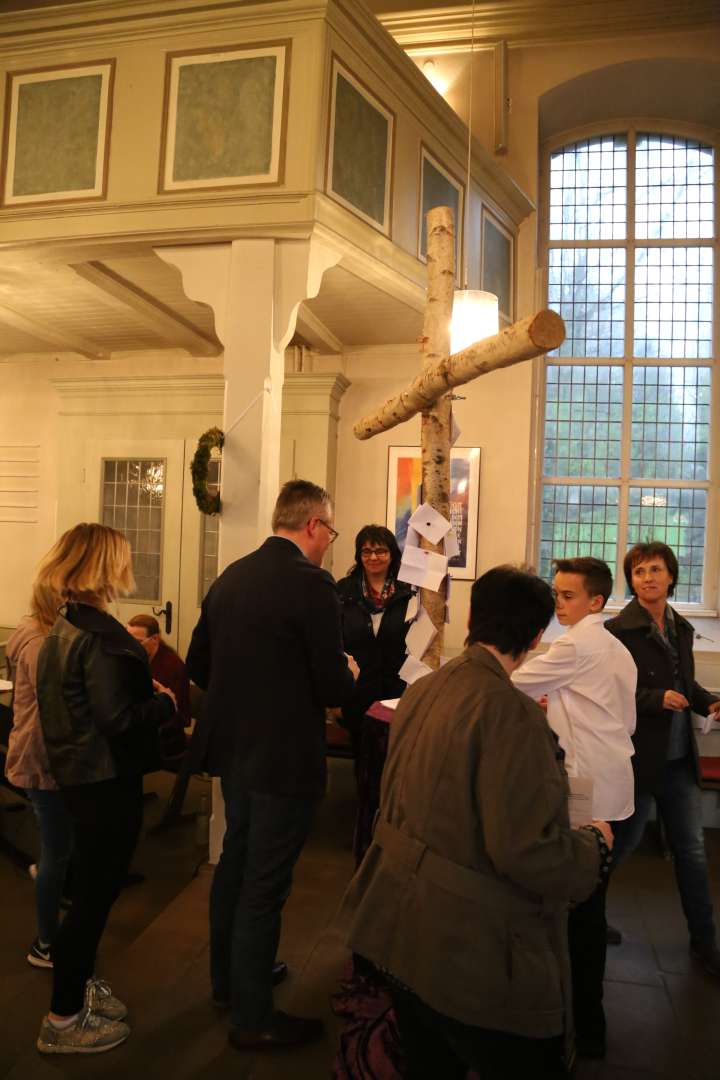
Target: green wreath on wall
{"points": [[207, 502]]}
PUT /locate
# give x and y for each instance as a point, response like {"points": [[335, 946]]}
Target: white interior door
{"points": [[137, 486]]}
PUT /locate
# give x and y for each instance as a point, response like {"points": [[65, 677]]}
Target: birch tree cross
{"points": [[429, 393]]}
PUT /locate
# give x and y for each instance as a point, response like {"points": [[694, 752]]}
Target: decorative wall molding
{"points": [[313, 393], [534, 22], [167, 386], [120, 21]]}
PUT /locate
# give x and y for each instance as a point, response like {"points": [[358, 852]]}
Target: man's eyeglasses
{"points": [[333, 532], [374, 553]]}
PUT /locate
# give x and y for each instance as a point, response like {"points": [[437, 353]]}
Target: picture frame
{"points": [[56, 142], [497, 264], [225, 117], [360, 142], [404, 495], [438, 186]]}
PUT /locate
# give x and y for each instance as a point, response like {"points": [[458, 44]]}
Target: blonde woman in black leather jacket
{"points": [[100, 714]]}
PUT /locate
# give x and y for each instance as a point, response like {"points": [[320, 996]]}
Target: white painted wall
{"points": [[31, 410]]}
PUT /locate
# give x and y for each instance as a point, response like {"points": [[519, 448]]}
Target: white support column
{"points": [[255, 288], [310, 415]]}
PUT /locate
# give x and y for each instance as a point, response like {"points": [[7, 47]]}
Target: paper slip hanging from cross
{"points": [[450, 543], [411, 611], [420, 635], [454, 430], [429, 523], [412, 538], [424, 568], [412, 670]]}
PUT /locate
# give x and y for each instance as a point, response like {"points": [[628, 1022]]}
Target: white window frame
{"points": [[711, 561]]}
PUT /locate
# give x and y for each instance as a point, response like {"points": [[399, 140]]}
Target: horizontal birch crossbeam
{"points": [[531, 337]]}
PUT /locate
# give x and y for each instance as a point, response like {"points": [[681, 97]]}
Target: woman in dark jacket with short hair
{"points": [[374, 607], [660, 642], [100, 714]]}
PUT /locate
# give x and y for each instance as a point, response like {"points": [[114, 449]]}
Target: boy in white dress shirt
{"points": [[590, 687]]}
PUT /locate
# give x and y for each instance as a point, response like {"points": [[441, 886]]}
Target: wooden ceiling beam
{"points": [[122, 295], [316, 331], [50, 336]]}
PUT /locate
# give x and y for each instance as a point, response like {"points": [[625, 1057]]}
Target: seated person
{"points": [[589, 679], [166, 667]]}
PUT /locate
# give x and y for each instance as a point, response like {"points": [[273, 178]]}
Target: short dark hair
{"points": [[508, 609], [377, 534], [148, 622], [653, 549], [298, 501], [598, 580]]}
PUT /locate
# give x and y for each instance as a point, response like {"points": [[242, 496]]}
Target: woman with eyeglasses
{"points": [[374, 606]]}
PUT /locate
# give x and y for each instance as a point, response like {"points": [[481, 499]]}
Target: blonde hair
{"points": [[90, 563]]}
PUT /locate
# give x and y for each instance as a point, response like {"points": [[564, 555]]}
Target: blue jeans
{"points": [[263, 840], [56, 841], [678, 799]]}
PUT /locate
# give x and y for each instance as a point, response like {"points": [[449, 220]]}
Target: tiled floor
{"points": [[664, 1015]]}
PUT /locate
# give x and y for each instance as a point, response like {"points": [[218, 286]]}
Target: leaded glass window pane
{"points": [[670, 422], [133, 501], [676, 516], [583, 420], [578, 519], [588, 190], [674, 189], [673, 302], [586, 286]]}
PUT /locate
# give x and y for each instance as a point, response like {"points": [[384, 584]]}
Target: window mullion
{"points": [[625, 451], [626, 448]]}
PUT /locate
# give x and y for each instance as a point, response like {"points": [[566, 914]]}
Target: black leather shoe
{"points": [[708, 956], [613, 935], [283, 1030], [280, 971]]}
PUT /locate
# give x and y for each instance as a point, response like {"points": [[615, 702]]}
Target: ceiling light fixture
{"points": [[432, 73]]}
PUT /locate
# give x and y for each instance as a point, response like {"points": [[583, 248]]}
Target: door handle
{"points": [[167, 612]]}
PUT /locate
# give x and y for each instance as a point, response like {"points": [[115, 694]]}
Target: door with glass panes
{"points": [[137, 487], [143, 488]]}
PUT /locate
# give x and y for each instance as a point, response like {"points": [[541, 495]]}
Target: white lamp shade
{"points": [[474, 317]]}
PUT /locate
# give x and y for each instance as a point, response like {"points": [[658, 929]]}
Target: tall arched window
{"points": [[630, 242]]}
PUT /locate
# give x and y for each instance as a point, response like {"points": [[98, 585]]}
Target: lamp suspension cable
{"points": [[466, 215], [475, 313]]}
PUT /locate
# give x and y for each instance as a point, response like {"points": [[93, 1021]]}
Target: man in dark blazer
{"points": [[268, 650], [665, 760]]}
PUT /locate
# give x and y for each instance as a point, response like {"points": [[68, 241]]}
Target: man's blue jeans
{"points": [[263, 840], [679, 803], [56, 842]]}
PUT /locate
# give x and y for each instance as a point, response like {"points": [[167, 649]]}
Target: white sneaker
{"points": [[89, 1034], [100, 999]]}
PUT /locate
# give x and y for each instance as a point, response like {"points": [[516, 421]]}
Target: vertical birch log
{"points": [[435, 429]]}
